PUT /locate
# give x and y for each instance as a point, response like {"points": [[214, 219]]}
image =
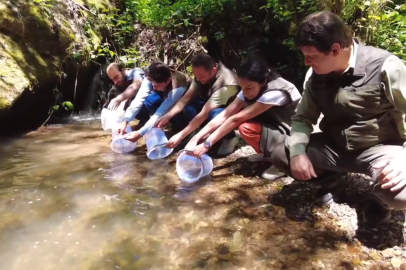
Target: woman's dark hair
{"points": [[257, 70], [203, 60], [158, 72], [321, 30]]}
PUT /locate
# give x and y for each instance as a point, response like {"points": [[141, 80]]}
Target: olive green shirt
{"points": [[220, 92], [223, 95], [393, 77]]}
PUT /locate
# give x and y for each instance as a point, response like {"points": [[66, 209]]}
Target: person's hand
{"points": [[200, 150], [133, 136], [163, 121], [174, 141], [392, 176], [191, 145], [114, 103], [122, 127], [302, 168]]}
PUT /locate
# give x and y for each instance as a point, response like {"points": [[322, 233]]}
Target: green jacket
{"points": [[362, 107]]}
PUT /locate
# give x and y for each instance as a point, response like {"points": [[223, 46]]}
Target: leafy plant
{"points": [[380, 23], [44, 7]]}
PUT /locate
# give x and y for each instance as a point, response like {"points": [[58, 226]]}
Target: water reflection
{"points": [[185, 190], [68, 202]]}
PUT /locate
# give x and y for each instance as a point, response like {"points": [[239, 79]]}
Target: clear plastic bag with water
{"points": [[156, 140], [190, 168], [119, 144], [111, 119]]}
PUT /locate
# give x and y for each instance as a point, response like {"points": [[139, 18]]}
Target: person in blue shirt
{"points": [[159, 92], [126, 84]]}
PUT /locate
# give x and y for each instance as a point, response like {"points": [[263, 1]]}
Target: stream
{"points": [[68, 202]]}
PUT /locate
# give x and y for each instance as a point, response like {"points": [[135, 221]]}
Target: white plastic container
{"points": [[156, 141], [191, 168], [120, 145], [111, 119]]}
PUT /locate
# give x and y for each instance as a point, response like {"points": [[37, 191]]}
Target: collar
{"points": [[353, 58]]}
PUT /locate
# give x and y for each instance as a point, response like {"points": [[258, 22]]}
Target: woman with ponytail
{"points": [[262, 112]]}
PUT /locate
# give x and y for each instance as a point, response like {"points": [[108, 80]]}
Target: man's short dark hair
{"points": [[203, 60], [158, 72], [323, 29]]}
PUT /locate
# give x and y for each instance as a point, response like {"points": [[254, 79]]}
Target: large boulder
{"points": [[38, 39]]}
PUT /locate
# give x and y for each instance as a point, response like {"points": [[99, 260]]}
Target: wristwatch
{"points": [[207, 144]]}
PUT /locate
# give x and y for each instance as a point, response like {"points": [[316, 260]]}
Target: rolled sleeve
{"points": [[307, 114], [167, 104], [136, 105]]}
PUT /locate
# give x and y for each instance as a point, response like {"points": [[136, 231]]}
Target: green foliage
{"points": [[45, 7], [172, 14], [60, 105], [67, 105], [241, 27], [382, 23], [117, 43]]}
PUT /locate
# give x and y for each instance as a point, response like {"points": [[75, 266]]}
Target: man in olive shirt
{"points": [[361, 92], [214, 87]]}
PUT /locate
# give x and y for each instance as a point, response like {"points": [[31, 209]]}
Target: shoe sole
{"points": [[335, 191]]}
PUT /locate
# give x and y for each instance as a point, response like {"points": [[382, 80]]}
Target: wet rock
{"points": [[276, 264], [347, 266], [354, 249], [375, 255], [280, 238], [396, 262], [223, 253], [387, 253], [317, 265], [237, 243], [293, 257], [356, 262]]}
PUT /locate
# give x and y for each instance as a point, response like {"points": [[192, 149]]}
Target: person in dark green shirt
{"points": [[361, 93]]}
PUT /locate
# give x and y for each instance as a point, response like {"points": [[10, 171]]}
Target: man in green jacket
{"points": [[361, 92]]}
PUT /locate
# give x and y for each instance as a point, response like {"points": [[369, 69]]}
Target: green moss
{"points": [[96, 3], [4, 104], [30, 49]]}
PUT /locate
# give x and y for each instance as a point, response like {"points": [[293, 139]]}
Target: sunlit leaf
{"points": [[374, 17], [68, 105]]}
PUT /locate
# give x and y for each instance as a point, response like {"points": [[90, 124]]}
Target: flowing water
{"points": [[68, 202]]}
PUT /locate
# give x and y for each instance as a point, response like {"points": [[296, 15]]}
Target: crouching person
{"points": [[126, 85], [361, 91], [262, 111], [214, 87], [161, 89]]}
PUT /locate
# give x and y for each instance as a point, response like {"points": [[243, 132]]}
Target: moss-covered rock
{"points": [[35, 40]]}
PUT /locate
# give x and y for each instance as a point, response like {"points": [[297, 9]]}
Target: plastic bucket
{"points": [[156, 141], [111, 119], [120, 145], [191, 168]]}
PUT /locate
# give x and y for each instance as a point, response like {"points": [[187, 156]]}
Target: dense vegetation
{"points": [[136, 32], [232, 29]]}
